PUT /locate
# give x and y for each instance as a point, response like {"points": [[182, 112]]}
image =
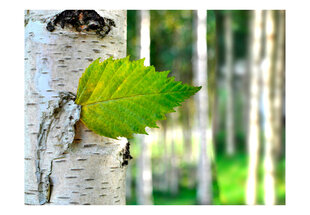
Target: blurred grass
{"points": [[231, 176], [186, 196], [228, 189]]}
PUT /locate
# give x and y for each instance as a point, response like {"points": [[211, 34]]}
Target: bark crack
{"points": [[56, 133]]}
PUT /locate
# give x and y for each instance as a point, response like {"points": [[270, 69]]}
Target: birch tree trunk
{"points": [[204, 194], [66, 163], [229, 67], [144, 180], [253, 143], [268, 69]]}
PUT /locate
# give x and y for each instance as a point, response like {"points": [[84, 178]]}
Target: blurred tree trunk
{"points": [[174, 179], [188, 155], [216, 105], [187, 134], [212, 82], [253, 142], [89, 169], [268, 117], [204, 190], [229, 67], [247, 78], [144, 171], [129, 181], [162, 140], [279, 83], [144, 167], [164, 182]]}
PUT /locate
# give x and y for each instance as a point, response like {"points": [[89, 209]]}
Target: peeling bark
{"points": [[59, 119], [66, 163]]}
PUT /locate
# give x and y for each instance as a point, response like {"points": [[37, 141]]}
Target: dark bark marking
{"points": [[82, 20], [89, 145], [62, 197], [71, 177], [77, 169], [28, 193], [60, 161], [96, 50], [126, 154]]}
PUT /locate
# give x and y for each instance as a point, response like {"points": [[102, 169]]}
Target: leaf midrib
{"points": [[126, 97]]}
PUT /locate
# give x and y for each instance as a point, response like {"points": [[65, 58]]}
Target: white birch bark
{"points": [[230, 143], [90, 170], [253, 143], [144, 180], [204, 194], [267, 72]]}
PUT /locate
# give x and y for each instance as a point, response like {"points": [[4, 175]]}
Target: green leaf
{"points": [[122, 97]]}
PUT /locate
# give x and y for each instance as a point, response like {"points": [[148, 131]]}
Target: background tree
{"points": [[268, 117], [204, 190], [144, 179], [229, 67], [279, 82], [253, 137]]}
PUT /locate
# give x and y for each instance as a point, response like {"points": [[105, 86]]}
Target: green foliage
{"points": [[171, 42], [122, 97], [132, 34]]}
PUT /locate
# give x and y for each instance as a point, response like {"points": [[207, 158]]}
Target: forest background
{"points": [[172, 153]]}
